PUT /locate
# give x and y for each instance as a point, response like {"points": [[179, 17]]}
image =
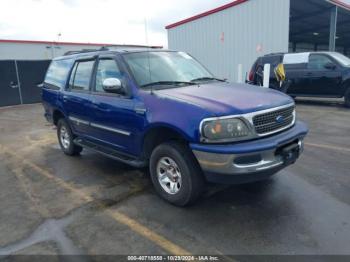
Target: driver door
{"points": [[322, 81], [115, 123]]}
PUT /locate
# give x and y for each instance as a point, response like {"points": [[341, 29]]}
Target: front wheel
{"points": [[65, 138], [347, 98], [176, 174]]}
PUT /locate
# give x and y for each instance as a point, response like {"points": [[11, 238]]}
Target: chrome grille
{"points": [[273, 121]]}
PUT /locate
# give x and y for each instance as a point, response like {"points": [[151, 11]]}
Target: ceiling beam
{"points": [[317, 28], [308, 15]]}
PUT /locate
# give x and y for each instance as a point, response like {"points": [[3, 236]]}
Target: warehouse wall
{"points": [[237, 35], [37, 51]]}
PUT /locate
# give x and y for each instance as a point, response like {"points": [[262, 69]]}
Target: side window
{"points": [[71, 79], [81, 75], [318, 62], [56, 76], [273, 60], [107, 68]]}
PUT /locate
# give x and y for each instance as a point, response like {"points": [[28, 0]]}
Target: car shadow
{"points": [[324, 103]]}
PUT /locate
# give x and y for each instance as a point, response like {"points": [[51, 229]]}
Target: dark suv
{"points": [[315, 74], [164, 110]]}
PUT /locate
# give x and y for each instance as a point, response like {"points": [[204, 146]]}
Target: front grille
{"points": [[273, 121]]}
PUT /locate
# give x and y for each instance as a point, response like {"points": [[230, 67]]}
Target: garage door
{"points": [[9, 88], [31, 73], [19, 80]]}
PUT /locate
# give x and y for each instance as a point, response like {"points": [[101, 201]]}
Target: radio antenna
{"points": [[148, 55]]}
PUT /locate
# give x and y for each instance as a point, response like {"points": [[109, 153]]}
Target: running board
{"points": [[111, 153]]}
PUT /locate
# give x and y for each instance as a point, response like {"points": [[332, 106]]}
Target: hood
{"points": [[227, 98]]}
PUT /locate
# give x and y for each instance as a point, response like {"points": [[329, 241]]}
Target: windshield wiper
{"points": [[168, 83], [207, 79]]}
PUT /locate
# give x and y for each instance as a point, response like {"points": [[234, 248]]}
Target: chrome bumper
{"points": [[231, 164]]}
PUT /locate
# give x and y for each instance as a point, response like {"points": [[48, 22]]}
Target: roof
{"points": [[340, 3], [210, 12], [67, 43], [48, 42]]}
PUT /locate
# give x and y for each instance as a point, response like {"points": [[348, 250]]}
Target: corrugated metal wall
{"points": [[37, 51], [225, 39]]}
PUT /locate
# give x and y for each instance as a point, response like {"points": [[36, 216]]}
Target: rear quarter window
{"points": [[300, 66], [273, 60], [57, 74]]}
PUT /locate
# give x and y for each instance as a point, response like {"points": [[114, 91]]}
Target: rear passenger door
{"points": [[77, 97], [296, 74]]}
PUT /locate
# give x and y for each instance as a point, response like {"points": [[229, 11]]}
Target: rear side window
{"points": [[81, 76], [57, 74], [301, 66], [273, 60]]}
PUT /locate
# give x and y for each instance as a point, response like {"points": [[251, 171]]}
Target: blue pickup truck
{"points": [[163, 109]]}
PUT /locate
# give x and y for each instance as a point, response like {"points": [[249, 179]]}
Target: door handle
{"points": [[13, 84], [65, 98], [101, 107]]}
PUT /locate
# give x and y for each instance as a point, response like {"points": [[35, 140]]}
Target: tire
{"points": [[347, 98], [182, 167], [65, 138]]}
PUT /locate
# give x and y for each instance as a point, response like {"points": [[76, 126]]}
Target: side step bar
{"points": [[111, 153]]}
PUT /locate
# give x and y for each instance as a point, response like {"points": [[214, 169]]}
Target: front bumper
{"points": [[249, 161]]}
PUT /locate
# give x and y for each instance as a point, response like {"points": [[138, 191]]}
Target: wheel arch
{"points": [[57, 115], [158, 134]]}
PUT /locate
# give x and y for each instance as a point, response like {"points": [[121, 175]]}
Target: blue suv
{"points": [[163, 109]]}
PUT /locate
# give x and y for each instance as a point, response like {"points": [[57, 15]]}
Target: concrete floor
{"points": [[54, 204]]}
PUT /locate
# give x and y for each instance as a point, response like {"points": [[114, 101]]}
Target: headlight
{"points": [[222, 130]]}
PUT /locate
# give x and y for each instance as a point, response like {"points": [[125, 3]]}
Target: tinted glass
{"points": [[71, 79], [318, 61], [273, 60], [57, 73], [295, 66], [80, 77], [107, 68]]}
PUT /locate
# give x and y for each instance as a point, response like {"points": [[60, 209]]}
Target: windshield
{"points": [[345, 61], [165, 68]]}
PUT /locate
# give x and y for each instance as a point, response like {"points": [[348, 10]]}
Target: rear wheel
{"points": [[176, 174], [66, 137], [347, 98]]}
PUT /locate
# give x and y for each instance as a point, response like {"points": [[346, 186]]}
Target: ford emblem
{"points": [[279, 119]]}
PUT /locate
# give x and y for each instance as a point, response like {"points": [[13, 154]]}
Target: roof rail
{"points": [[278, 53], [110, 48], [80, 51]]}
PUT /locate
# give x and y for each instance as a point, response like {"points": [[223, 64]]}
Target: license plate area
{"points": [[289, 152]]}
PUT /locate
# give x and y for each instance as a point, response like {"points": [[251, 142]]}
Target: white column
{"points": [[267, 69], [240, 73]]}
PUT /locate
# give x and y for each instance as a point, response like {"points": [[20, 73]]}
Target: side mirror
{"points": [[330, 66], [113, 85]]}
